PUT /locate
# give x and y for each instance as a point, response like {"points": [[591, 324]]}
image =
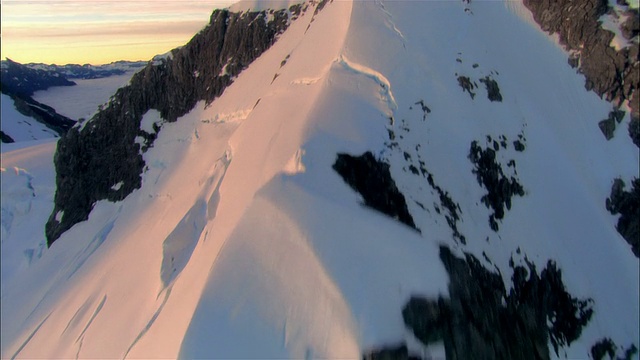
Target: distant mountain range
{"points": [[20, 81]]}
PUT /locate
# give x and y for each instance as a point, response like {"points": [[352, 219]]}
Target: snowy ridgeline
{"points": [[243, 232]]}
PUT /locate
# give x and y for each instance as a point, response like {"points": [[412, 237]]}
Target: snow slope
{"points": [[244, 243], [28, 185], [19, 126]]}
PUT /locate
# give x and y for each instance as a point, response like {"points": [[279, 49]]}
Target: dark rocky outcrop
{"points": [[481, 320], [493, 90], [603, 347], [22, 81], [371, 178], [606, 347], [6, 138], [398, 352], [612, 74], [466, 85], [627, 204], [634, 131], [500, 188], [608, 126], [446, 202], [90, 160]]}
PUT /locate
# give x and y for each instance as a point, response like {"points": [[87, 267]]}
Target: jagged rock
{"points": [[425, 109], [606, 346], [612, 74], [493, 91], [371, 179], [447, 202], [603, 347], [489, 174], [481, 321], [627, 204], [466, 85], [634, 130], [6, 138], [607, 127], [518, 146], [631, 27], [427, 319], [91, 160], [397, 352]]}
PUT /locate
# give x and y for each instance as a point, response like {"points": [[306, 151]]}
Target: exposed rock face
{"points": [[6, 138], [482, 321], [493, 90], [372, 179], [612, 74], [608, 126], [607, 347], [634, 131], [627, 204], [20, 80], [500, 188], [90, 160], [399, 352], [466, 85]]}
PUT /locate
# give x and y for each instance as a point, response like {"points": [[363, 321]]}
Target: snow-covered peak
{"points": [[262, 226]]}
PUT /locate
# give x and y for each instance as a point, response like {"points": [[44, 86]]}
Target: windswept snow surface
{"points": [[244, 243], [28, 186]]}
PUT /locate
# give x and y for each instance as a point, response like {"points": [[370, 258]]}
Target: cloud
{"points": [[45, 30]]}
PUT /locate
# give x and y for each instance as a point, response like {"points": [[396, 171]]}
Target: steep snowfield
{"points": [[244, 243], [28, 184], [20, 127]]}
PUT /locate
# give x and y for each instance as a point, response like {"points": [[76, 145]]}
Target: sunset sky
{"points": [[98, 32]]}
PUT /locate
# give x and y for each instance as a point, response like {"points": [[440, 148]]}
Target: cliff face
{"points": [[92, 159], [612, 74]]}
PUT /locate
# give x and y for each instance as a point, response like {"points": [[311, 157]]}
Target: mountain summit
{"points": [[349, 179]]}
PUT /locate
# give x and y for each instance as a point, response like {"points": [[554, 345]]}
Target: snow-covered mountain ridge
{"points": [[246, 235]]}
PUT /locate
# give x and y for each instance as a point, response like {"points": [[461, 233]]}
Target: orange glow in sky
{"points": [[99, 32]]}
